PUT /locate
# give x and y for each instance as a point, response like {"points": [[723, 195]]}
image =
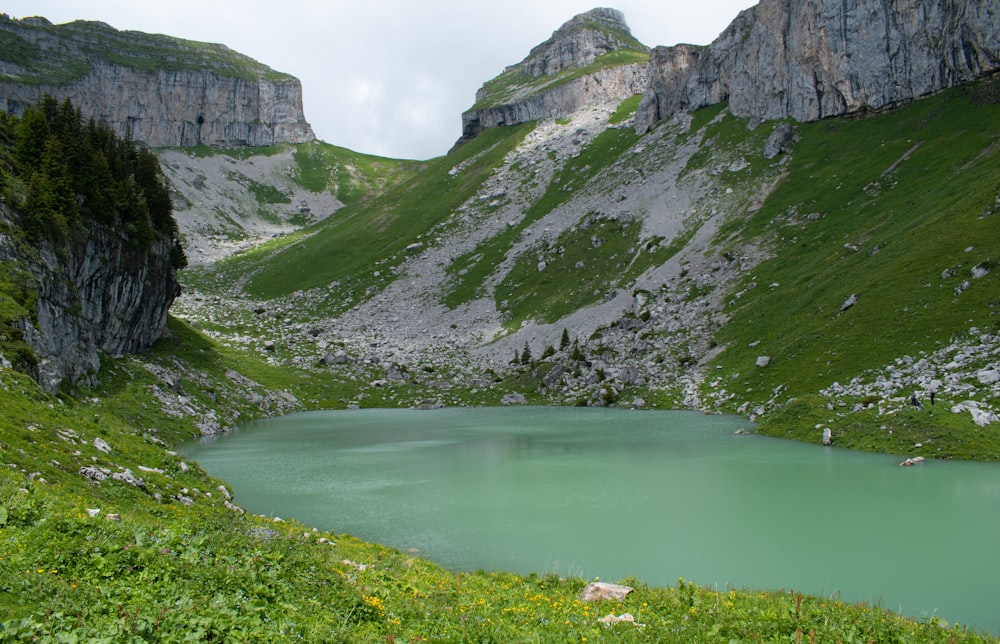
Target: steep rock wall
{"points": [[198, 94], [98, 295], [614, 83], [579, 42], [809, 59], [547, 82]]}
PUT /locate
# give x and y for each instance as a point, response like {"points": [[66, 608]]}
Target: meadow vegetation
{"points": [[890, 207], [169, 560]]}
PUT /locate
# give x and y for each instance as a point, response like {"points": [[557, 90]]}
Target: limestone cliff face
{"points": [[579, 42], [552, 80], [809, 59], [100, 295], [163, 91], [614, 83]]}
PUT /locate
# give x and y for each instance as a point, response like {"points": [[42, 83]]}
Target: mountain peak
{"points": [[580, 41]]}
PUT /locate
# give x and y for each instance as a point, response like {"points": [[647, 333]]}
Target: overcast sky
{"points": [[387, 77]]}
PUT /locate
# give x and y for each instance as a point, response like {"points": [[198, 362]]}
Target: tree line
{"points": [[61, 173]]}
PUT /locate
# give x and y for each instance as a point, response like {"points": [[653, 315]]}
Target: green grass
{"points": [[141, 51], [514, 83], [626, 110], [470, 271], [349, 175], [373, 235], [582, 265], [148, 567], [166, 571], [880, 207]]}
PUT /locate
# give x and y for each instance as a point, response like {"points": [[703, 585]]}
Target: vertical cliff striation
{"points": [[97, 295], [160, 90], [591, 59], [809, 59]]}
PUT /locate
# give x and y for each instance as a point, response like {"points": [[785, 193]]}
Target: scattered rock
{"points": [[113, 517], [361, 567], [849, 302], [235, 508], [95, 473], [597, 591], [827, 436], [102, 446], [514, 399], [128, 478], [988, 376], [912, 461], [781, 140], [763, 361], [981, 417], [612, 619]]}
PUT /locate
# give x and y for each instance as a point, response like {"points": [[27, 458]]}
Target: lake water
{"points": [[613, 493]]}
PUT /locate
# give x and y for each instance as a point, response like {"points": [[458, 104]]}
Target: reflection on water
{"points": [[611, 493]]}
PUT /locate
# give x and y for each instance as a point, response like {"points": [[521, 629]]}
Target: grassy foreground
{"points": [[165, 556]]}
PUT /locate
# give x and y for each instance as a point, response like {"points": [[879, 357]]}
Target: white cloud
{"points": [[388, 77]]}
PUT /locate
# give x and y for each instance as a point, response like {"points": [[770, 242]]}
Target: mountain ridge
{"points": [[157, 89]]}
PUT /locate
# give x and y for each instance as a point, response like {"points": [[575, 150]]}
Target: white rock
{"points": [[988, 376]]}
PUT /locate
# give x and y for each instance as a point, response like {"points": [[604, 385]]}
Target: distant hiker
{"points": [[914, 401], [932, 396]]}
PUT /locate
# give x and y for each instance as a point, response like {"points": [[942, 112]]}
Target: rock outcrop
{"points": [[579, 43], [156, 89], [548, 82], [611, 84], [100, 295], [810, 59]]}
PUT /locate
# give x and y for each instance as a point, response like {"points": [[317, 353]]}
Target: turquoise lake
{"points": [[612, 493]]}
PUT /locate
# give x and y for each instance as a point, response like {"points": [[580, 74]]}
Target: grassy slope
{"points": [[514, 84], [912, 191], [97, 41], [373, 235], [165, 571], [170, 571]]}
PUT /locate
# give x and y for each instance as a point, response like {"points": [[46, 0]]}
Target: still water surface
{"points": [[611, 493]]}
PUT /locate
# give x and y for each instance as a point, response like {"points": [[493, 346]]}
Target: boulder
{"points": [[94, 473], [763, 361], [988, 376], [612, 619], [514, 399], [781, 140], [597, 591]]}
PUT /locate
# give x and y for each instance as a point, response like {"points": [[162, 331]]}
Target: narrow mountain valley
{"points": [[795, 224]]}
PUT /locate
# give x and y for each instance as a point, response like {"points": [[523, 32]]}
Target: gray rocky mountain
{"points": [[100, 295], [160, 90], [579, 42], [810, 59], [549, 83]]}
